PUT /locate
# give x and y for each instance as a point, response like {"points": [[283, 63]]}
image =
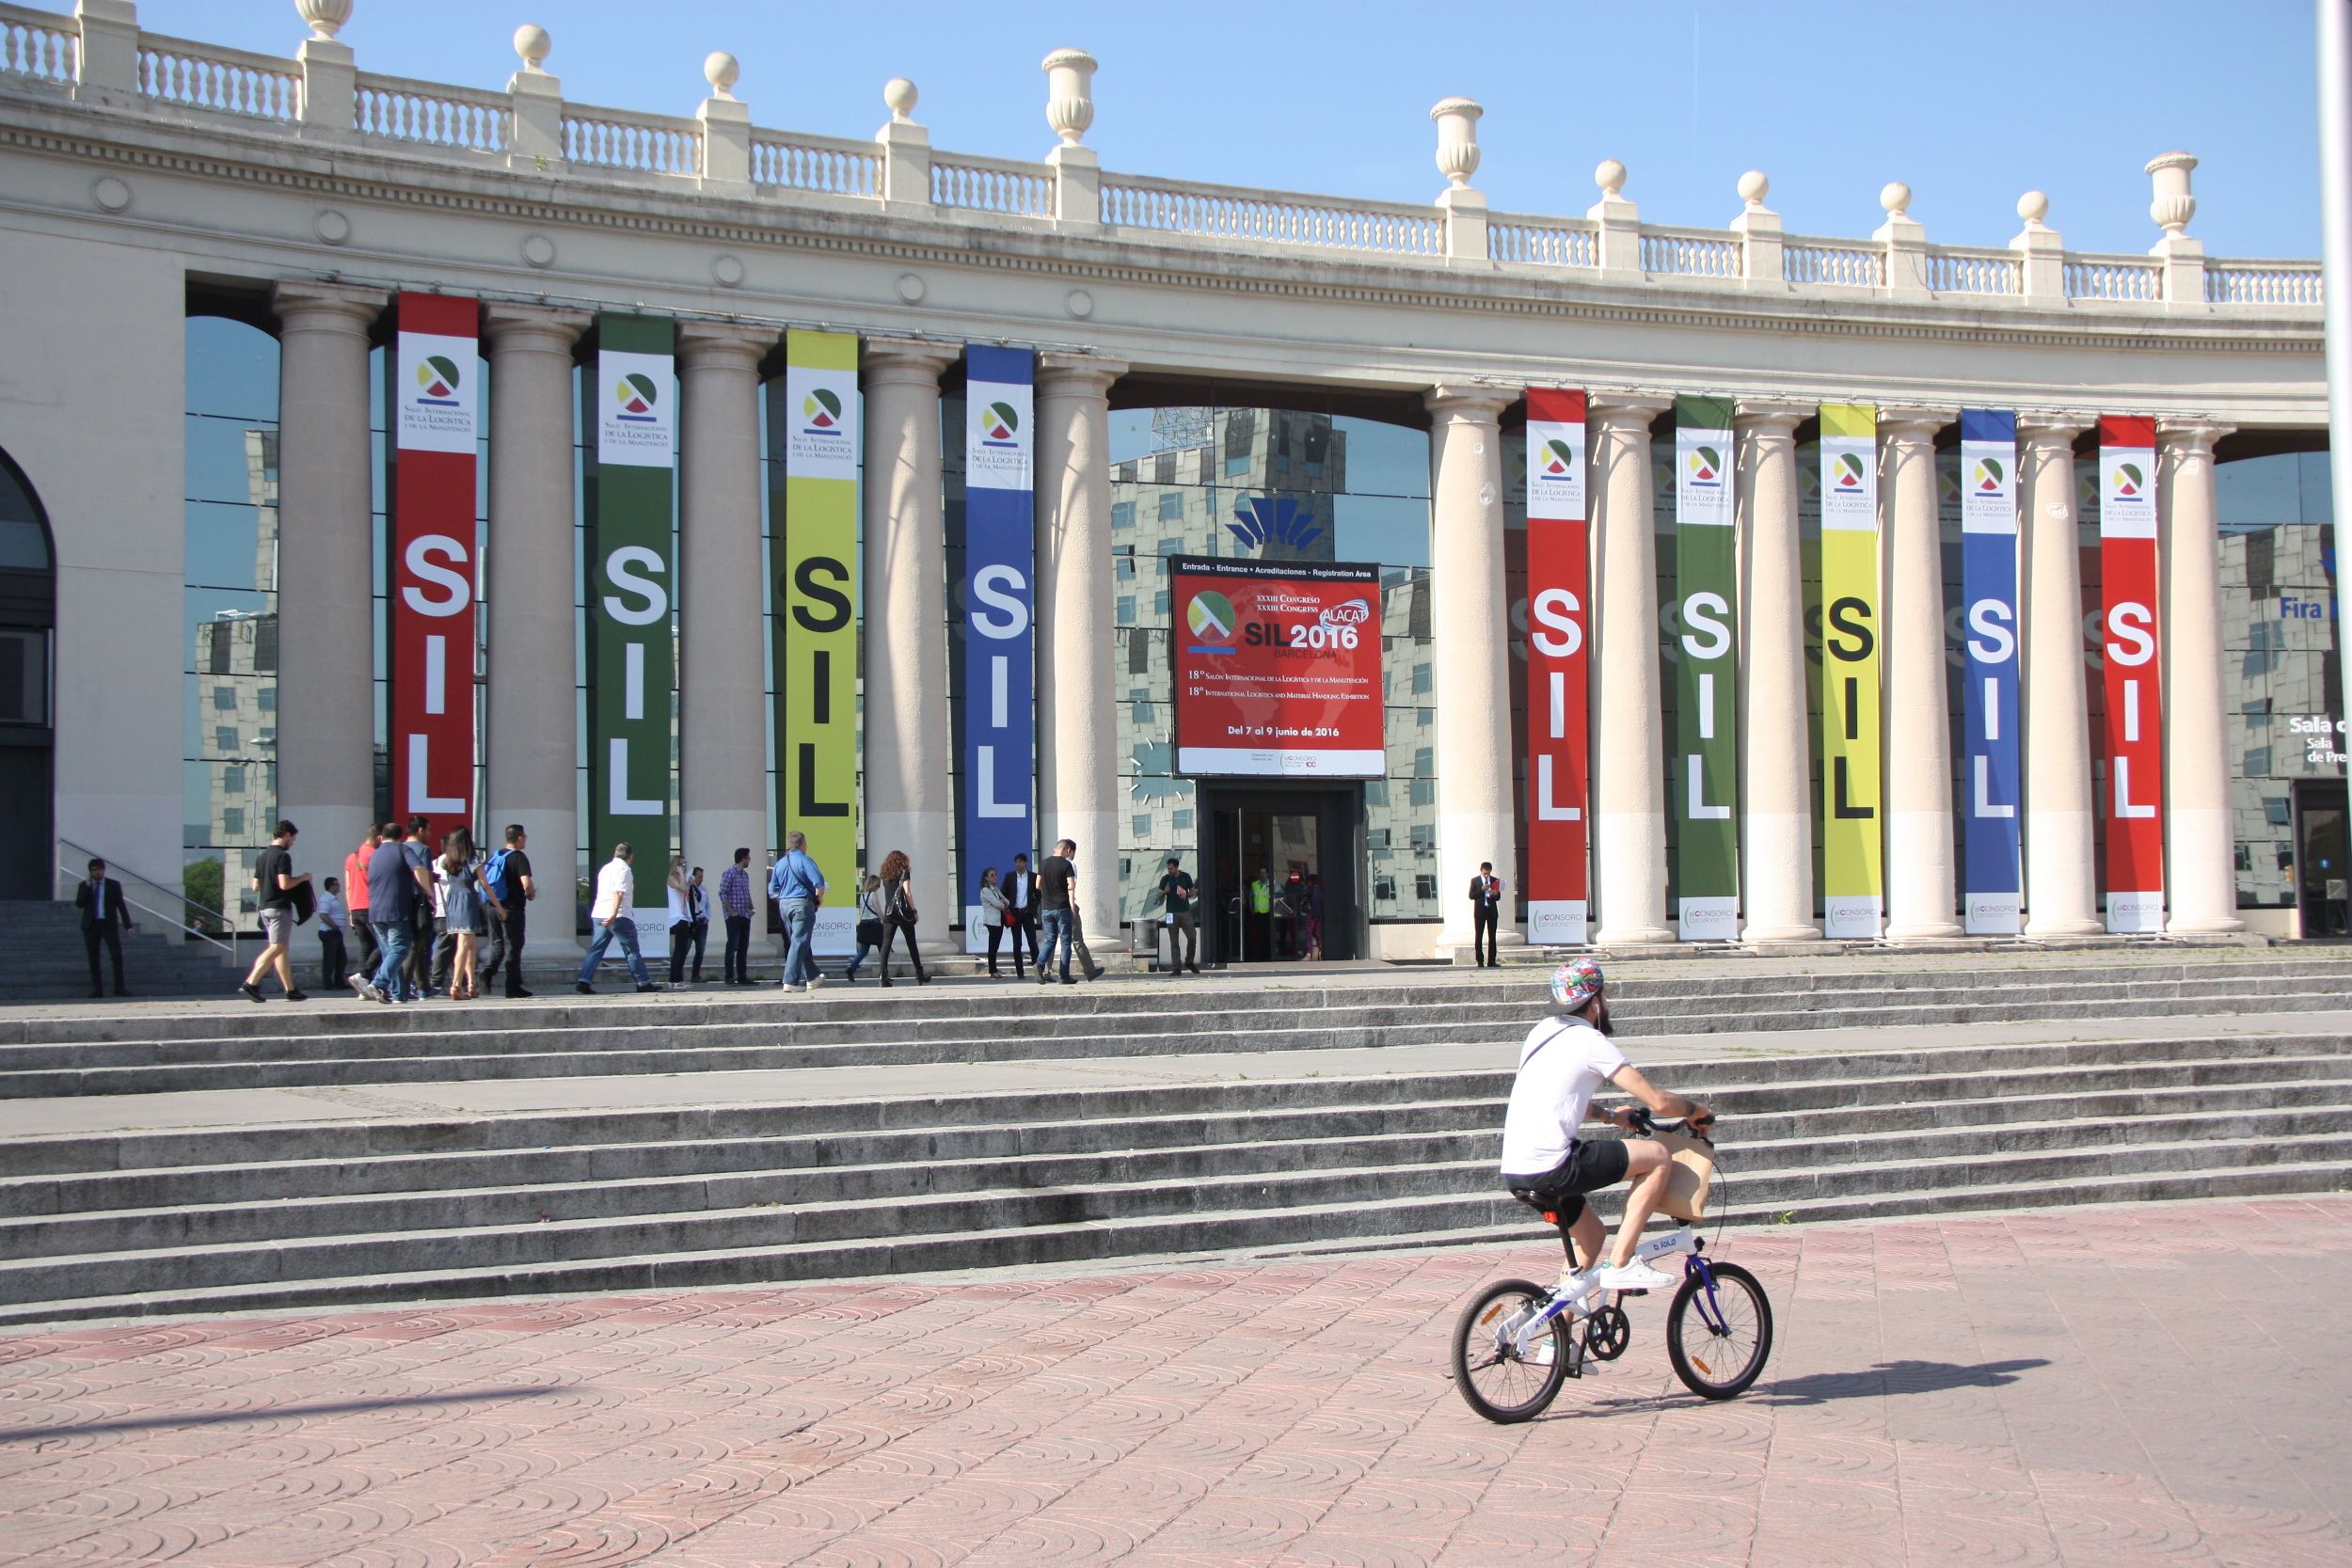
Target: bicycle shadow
{"points": [[1888, 1378]]}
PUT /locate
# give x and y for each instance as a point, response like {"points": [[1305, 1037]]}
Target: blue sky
{"points": [[1971, 105]]}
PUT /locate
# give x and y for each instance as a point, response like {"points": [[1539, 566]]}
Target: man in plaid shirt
{"points": [[735, 902]]}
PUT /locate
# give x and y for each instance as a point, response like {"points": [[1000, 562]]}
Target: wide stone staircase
{"points": [[46, 961], [673, 1143]]}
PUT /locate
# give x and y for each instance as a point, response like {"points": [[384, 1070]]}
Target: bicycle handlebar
{"points": [[1644, 1123]]}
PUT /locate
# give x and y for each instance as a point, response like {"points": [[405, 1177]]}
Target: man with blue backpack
{"points": [[507, 873]]}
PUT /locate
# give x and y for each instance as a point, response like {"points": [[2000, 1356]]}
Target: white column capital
{"points": [[1771, 417], [2190, 436], [1068, 375], [303, 306], [2053, 428], [896, 362], [1622, 411], [533, 329], [1915, 421], [723, 345], [1457, 400]]}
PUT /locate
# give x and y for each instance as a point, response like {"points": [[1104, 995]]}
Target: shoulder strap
{"points": [[1562, 1028]]}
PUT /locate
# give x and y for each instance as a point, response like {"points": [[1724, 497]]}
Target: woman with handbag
{"points": [[869, 925], [462, 911], [993, 911], [899, 913], [681, 920]]}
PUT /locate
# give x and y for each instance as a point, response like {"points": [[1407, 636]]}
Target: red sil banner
{"points": [[2135, 740], [1556, 660], [1278, 668], [436, 397]]}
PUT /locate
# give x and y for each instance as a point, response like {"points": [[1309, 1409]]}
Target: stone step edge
{"points": [[381, 1291], [2135, 1121]]}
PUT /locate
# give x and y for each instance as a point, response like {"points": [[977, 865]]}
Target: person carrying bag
{"points": [[899, 913]]}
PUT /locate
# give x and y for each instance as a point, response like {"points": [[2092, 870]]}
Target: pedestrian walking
{"points": [[1312, 900], [1087, 966], [869, 925], [993, 912], [105, 918], [798, 886], [396, 886], [332, 921], [1260, 922], [507, 875], [1021, 911], [274, 876], [1176, 901], [468, 907], [1486, 893], [899, 914], [1057, 880], [355, 895], [613, 914], [696, 905], [735, 906], [679, 924], [421, 853]]}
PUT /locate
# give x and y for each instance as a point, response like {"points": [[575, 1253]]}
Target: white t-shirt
{"points": [[1563, 1064], [616, 892]]}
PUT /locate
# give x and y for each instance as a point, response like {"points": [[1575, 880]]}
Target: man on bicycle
{"points": [[1563, 1064]]}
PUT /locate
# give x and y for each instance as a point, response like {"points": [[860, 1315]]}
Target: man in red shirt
{"points": [[356, 898]]}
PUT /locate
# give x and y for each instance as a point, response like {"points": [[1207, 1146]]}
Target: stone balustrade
{"points": [[99, 55]]}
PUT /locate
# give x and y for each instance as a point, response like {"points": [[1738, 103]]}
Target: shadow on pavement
{"points": [[1894, 1377], [275, 1413]]}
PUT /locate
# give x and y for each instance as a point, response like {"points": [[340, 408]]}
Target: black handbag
{"points": [[869, 933]]}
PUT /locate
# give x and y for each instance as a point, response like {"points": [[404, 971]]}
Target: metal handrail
{"points": [[65, 869]]}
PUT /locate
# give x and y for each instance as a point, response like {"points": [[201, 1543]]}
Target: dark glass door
{"points": [[1284, 873], [2323, 847]]}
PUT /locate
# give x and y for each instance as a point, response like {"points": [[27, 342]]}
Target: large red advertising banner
{"points": [[435, 399], [2132, 726], [1557, 728], [1278, 668]]}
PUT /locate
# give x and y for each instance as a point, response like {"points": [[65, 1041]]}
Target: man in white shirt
{"points": [[615, 915], [1563, 1064], [333, 923]]}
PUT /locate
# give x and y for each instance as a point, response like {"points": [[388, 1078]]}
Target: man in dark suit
{"points": [[1485, 893], [105, 918], [1021, 892]]}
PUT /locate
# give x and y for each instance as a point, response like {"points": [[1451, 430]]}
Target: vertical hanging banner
{"points": [[999, 573], [2134, 746], [814, 426], [1992, 886], [1558, 729], [1854, 877], [1704, 784], [632, 586], [437, 396]]}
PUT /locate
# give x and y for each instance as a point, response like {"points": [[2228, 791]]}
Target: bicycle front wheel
{"points": [[1497, 1381], [1718, 1342]]}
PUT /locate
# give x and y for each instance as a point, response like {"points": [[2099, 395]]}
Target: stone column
{"points": [[909, 802], [1776, 775], [1477, 810], [1922, 870], [2061, 896], [2201, 852], [325, 572], [532, 741], [722, 703], [1628, 750], [1077, 715]]}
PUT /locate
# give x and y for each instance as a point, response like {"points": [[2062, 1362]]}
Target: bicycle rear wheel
{"points": [[1497, 1382], [1718, 1347]]}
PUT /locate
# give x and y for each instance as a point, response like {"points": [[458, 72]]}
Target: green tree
{"points": [[199, 883]]}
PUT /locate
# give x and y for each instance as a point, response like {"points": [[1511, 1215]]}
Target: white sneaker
{"points": [[1636, 1275], [814, 984]]}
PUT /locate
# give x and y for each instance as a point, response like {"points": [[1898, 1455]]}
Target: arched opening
{"points": [[28, 620]]}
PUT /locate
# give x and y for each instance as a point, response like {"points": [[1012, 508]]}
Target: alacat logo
{"points": [[1986, 476], [437, 381], [1354, 612], [1846, 471], [636, 396], [820, 411], [999, 424], [1559, 460], [1706, 465], [2128, 480]]}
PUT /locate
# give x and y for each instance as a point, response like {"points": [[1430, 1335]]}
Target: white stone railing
{"points": [[1689, 253], [1844, 262], [37, 46], [2262, 283], [992, 185], [1275, 217], [2127, 278], [206, 76], [109, 64], [396, 109], [826, 164], [624, 139], [1955, 270], [1543, 242]]}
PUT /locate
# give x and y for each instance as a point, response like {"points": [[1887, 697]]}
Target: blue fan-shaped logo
{"points": [[1268, 521]]}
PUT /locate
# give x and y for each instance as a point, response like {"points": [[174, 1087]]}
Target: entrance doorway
{"points": [[2323, 857], [1267, 850], [29, 611]]}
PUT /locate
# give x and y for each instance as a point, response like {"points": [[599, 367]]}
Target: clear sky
{"points": [[1971, 105]]}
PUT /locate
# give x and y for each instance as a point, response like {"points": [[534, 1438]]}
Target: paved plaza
{"points": [[2089, 1386]]}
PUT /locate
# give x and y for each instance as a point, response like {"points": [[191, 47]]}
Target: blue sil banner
{"points": [[1990, 896], [996, 819]]}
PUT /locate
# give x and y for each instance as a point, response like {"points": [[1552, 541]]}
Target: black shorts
{"points": [[1592, 1165]]}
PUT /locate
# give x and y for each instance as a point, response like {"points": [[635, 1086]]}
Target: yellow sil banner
{"points": [[1852, 858]]}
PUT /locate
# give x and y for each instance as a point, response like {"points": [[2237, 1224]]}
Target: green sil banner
{"points": [[1702, 778]]}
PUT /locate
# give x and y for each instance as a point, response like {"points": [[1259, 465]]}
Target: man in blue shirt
{"points": [[797, 885]]}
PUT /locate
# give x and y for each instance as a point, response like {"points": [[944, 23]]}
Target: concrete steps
{"points": [[47, 963], [303, 1215]]}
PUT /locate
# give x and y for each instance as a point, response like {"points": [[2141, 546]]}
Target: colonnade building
{"points": [[371, 446]]}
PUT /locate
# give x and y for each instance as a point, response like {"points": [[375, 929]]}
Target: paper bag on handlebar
{"points": [[1693, 1172]]}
